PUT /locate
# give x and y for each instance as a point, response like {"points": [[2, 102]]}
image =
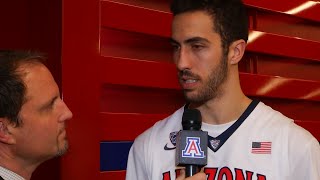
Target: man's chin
{"points": [[63, 149], [192, 98], [195, 98]]}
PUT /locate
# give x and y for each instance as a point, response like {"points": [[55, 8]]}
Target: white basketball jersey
{"points": [[262, 144]]}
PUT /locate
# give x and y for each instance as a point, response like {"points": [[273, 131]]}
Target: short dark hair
{"points": [[229, 17], [12, 87]]}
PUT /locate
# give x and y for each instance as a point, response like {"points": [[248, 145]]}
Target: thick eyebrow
{"points": [[172, 41], [190, 41], [195, 40]]}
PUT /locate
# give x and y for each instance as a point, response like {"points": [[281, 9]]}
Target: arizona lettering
{"points": [[224, 173]]}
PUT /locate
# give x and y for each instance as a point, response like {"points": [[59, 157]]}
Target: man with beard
{"points": [[247, 139], [32, 115]]}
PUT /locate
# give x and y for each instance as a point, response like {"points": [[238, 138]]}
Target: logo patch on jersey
{"points": [[193, 148], [261, 147], [215, 143], [173, 138]]}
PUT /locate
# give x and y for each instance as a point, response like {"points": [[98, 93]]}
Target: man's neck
{"points": [[18, 166], [225, 108]]}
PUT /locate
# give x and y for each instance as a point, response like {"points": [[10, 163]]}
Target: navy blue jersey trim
{"points": [[222, 138]]}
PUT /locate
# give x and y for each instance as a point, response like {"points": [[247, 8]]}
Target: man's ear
{"points": [[5, 134], [236, 51]]}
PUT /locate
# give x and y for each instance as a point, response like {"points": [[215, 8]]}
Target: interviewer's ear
{"points": [[5, 135], [236, 51]]}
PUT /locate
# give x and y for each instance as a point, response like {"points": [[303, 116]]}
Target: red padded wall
{"points": [[118, 75], [80, 54]]}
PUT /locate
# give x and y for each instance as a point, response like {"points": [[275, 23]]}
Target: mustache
{"points": [[63, 128], [187, 74]]}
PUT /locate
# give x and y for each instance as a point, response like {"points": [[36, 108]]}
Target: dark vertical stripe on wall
{"points": [[114, 155]]}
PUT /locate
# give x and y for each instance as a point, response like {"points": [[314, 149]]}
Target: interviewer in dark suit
{"points": [[32, 115]]}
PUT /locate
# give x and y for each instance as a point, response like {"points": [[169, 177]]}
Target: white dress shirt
{"points": [[6, 174]]}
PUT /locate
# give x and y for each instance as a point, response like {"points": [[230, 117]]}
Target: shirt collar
{"points": [[6, 174]]}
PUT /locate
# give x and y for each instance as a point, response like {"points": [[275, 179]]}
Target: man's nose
{"points": [[182, 59]]}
